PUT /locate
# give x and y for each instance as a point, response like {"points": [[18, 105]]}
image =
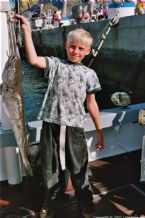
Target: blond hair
{"points": [[80, 36]]}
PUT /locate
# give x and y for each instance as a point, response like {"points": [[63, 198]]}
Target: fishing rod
{"points": [[111, 23]]}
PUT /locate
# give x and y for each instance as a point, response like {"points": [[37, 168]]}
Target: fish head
{"points": [[12, 73]]}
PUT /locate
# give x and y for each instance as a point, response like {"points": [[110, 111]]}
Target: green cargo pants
{"points": [[76, 160]]}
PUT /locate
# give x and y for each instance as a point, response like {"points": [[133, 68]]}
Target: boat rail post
{"points": [[142, 161]]}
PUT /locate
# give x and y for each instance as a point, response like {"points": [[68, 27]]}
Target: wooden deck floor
{"points": [[115, 182]]}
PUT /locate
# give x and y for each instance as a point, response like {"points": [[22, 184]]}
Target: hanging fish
{"points": [[12, 103]]}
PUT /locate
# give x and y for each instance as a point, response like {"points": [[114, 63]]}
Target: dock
{"points": [[115, 181]]}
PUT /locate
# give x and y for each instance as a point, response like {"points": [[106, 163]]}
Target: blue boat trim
{"points": [[122, 5]]}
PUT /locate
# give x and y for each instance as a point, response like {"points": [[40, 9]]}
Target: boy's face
{"points": [[76, 51]]}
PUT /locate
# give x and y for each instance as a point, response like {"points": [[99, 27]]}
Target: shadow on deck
{"points": [[115, 182]]}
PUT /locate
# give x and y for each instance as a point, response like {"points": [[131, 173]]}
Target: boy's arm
{"points": [[93, 109], [32, 57]]}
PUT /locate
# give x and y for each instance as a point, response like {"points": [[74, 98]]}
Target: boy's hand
{"points": [[100, 145], [25, 24]]}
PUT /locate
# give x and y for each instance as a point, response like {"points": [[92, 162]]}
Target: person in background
{"points": [[56, 18], [105, 9], [85, 16], [39, 23], [63, 144], [84, 12], [140, 7], [92, 7]]}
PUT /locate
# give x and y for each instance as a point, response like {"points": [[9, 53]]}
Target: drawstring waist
{"points": [[62, 139]]}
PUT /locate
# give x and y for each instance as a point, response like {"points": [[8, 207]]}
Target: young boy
{"points": [[63, 144]]}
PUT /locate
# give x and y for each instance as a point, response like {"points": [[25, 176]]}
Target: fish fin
{"points": [[8, 54]]}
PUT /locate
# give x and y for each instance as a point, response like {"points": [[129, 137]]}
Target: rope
{"points": [[102, 36], [13, 49]]}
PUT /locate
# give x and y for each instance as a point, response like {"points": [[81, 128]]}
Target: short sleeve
{"points": [[50, 64], [93, 84]]}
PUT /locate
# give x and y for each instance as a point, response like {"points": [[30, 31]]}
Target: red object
{"points": [[4, 203]]}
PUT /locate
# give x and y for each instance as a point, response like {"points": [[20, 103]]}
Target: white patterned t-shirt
{"points": [[67, 93]]}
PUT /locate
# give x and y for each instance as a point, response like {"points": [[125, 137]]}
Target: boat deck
{"points": [[115, 181]]}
